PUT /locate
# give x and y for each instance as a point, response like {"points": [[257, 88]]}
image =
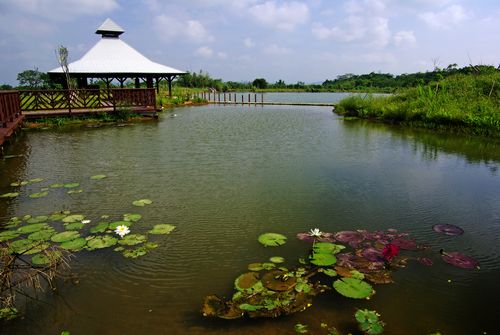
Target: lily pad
{"points": [[113, 225], [65, 236], [448, 229], [74, 245], [133, 217], [39, 195], [9, 195], [277, 259], [57, 216], [353, 288], [38, 219], [246, 281], [8, 235], [74, 226], [19, 183], [460, 260], [137, 252], [74, 218], [353, 238], [276, 280], [36, 247], [101, 227], [98, 177], [71, 185], [161, 229], [255, 267], [272, 239], [327, 248], [323, 259], [42, 235], [100, 242], [26, 246], [32, 228], [133, 239], [46, 258], [36, 180], [56, 186], [142, 202], [74, 191]]}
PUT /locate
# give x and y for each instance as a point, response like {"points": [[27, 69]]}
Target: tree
{"points": [[33, 79], [260, 83], [62, 58], [4, 87]]}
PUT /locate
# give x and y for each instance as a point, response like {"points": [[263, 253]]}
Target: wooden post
{"points": [[262, 98], [242, 99], [235, 98], [224, 97], [255, 98], [137, 83], [249, 98]]}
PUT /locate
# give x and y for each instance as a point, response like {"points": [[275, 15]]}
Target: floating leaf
{"points": [[36, 247], [74, 245], [56, 186], [353, 238], [9, 195], [119, 249], [329, 272], [132, 239], [19, 183], [255, 267], [42, 235], [98, 177], [162, 229], [369, 322], [100, 242], [46, 258], [272, 239], [353, 288], [74, 226], [142, 202], [71, 185], [151, 245], [74, 218], [8, 235], [246, 281], [134, 253], [38, 219], [323, 259], [27, 247], [101, 227], [38, 195], [277, 280], [448, 229], [57, 216], [327, 248], [425, 261], [133, 217], [65, 236], [32, 228], [115, 224], [277, 259], [36, 180], [74, 191], [249, 307], [460, 260]]}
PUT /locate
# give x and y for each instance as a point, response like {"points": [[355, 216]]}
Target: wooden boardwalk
{"points": [[42, 114], [11, 117], [319, 104]]}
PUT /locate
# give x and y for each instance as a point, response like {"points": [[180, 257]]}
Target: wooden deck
{"points": [[42, 114], [11, 117]]}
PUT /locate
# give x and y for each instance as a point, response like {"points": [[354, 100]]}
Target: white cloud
{"points": [[62, 10], [274, 49], [286, 16], [205, 52], [405, 38], [448, 17], [221, 55], [170, 27], [249, 43]]}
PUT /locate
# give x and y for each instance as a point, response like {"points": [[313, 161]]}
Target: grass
{"points": [[461, 103], [181, 96]]}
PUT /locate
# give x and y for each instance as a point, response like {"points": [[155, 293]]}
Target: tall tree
{"points": [[62, 58], [33, 79]]}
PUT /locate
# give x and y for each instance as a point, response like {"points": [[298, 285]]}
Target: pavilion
{"points": [[113, 59]]}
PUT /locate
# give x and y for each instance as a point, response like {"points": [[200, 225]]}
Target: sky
{"points": [[240, 40]]}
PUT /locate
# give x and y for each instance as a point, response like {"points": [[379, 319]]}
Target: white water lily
{"points": [[315, 232], [85, 221], [122, 230]]}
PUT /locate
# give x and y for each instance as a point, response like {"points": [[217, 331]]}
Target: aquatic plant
{"points": [[272, 239], [459, 260], [142, 202], [369, 322], [122, 230], [448, 229]]}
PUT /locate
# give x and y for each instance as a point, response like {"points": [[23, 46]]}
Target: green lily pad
{"points": [[74, 245], [8, 235], [74, 226], [32, 228], [277, 259], [151, 245], [39, 195], [327, 248], [36, 180], [98, 177], [26, 217], [46, 258], [246, 281], [56, 186], [19, 183], [323, 259], [71, 185], [65, 236], [74, 218], [250, 307], [272, 239], [132, 239], [74, 191], [57, 216], [36, 247], [100, 242], [38, 219], [161, 229], [329, 272], [26, 246], [115, 224], [353, 288], [142, 202], [255, 267], [133, 217], [9, 195], [42, 235], [101, 227], [119, 249], [134, 253]]}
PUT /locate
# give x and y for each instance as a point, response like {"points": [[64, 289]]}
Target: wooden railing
{"points": [[34, 100], [9, 107]]}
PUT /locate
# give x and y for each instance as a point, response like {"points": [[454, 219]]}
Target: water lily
{"points": [[85, 221], [315, 232], [122, 230], [390, 251]]}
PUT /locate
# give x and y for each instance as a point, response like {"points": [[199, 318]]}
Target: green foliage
{"points": [[353, 288], [34, 79], [8, 313], [260, 83], [301, 329], [272, 239], [369, 322]]}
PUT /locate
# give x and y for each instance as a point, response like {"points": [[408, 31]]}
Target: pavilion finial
{"points": [[110, 29]]}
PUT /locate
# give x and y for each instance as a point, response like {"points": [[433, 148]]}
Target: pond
{"points": [[223, 175]]}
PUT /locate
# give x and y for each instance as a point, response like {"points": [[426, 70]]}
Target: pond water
{"points": [[223, 175]]}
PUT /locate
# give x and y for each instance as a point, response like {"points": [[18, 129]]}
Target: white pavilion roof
{"points": [[113, 56]]}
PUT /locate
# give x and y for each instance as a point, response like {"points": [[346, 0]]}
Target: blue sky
{"points": [[241, 40]]}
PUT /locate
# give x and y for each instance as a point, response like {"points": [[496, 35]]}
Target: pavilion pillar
{"points": [[82, 83], [137, 83], [149, 82], [170, 79], [157, 85]]}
